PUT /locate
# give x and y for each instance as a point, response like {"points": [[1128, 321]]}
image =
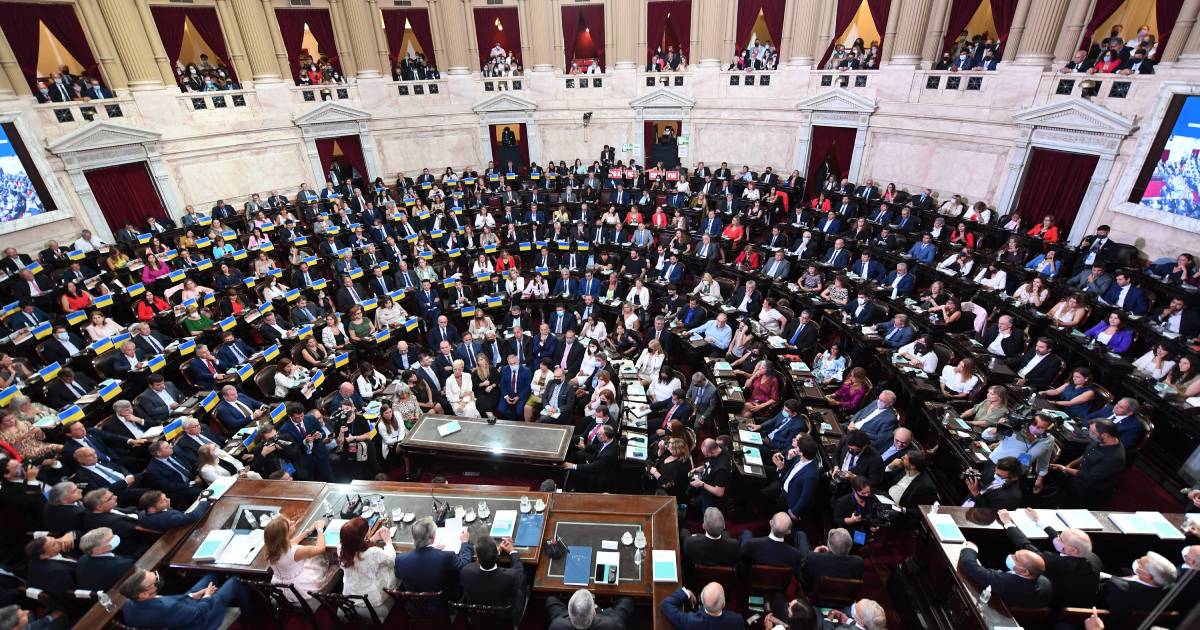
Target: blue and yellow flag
{"points": [[34, 267], [245, 371], [76, 317], [278, 412], [10, 308], [427, 255], [102, 346], [482, 276], [468, 311], [271, 353], [317, 378], [490, 248], [369, 305], [251, 441], [250, 282], [385, 265], [310, 260], [76, 254], [292, 295], [276, 272], [450, 282], [174, 429], [210, 401], [135, 290], [102, 300], [265, 307], [318, 284], [188, 302], [169, 255], [209, 299], [204, 264], [144, 238], [201, 243], [187, 346], [228, 235], [525, 247], [42, 330], [383, 335], [305, 332], [300, 240], [177, 275], [121, 338], [454, 253], [228, 323], [494, 300], [583, 247], [341, 360], [355, 273], [437, 234], [110, 390], [6, 394], [156, 363], [412, 324], [70, 414], [204, 220], [545, 271]]}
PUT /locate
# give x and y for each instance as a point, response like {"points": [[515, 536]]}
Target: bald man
{"points": [[711, 614], [1021, 586], [1072, 568]]}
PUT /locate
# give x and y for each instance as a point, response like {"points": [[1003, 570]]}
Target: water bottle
{"points": [[105, 601], [984, 596]]}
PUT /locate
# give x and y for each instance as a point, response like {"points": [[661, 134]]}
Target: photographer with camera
{"points": [[998, 489], [276, 457], [860, 512], [313, 439], [1032, 446]]}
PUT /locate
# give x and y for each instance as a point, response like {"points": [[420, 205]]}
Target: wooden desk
{"points": [[520, 442], [655, 515]]}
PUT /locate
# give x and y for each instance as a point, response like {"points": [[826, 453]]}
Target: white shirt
{"points": [[997, 347], [869, 417], [1146, 364], [1122, 294], [928, 360], [134, 428], [897, 490], [792, 475], [1037, 358], [953, 380]]}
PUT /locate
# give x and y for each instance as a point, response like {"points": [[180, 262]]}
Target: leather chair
{"points": [[352, 609], [421, 611], [835, 592], [283, 601]]}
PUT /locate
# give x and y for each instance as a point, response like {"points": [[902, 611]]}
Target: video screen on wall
{"points": [[1170, 179], [22, 192]]}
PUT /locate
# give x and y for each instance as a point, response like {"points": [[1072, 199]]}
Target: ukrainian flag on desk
{"points": [[468, 311], [305, 332], [490, 248], [228, 323], [318, 284], [34, 267], [437, 233], [310, 260], [209, 299], [103, 300], [385, 265], [582, 246], [201, 243], [228, 235], [454, 253], [210, 401], [411, 324], [494, 300], [276, 272], [121, 338], [271, 353], [427, 255], [204, 220], [156, 363], [76, 254], [70, 414], [278, 413], [143, 238], [169, 255], [525, 247], [6, 395], [251, 441], [383, 335], [341, 359], [265, 307], [204, 264], [355, 273], [42, 330], [10, 308], [135, 290], [187, 347], [245, 371], [564, 246], [249, 282], [369, 304], [300, 240], [177, 275], [173, 429], [110, 391], [102, 346], [317, 378], [482, 277], [291, 296], [450, 282]]}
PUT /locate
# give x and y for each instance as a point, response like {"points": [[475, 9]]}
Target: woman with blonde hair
{"points": [[460, 393], [304, 567], [650, 361]]}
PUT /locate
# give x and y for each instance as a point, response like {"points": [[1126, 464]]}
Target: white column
{"points": [[1091, 199], [367, 142], [532, 137], [91, 209], [485, 146], [804, 145], [314, 160], [162, 181], [860, 144], [1016, 169], [639, 137]]}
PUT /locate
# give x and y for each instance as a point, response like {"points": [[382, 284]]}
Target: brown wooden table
{"points": [[518, 442], [655, 515]]}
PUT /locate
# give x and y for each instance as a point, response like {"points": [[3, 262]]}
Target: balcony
{"points": [[67, 116], [849, 79], [302, 94], [215, 101], [419, 88]]}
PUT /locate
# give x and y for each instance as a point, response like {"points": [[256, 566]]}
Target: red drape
{"points": [[747, 15], [169, 22], [291, 27], [834, 143], [648, 138], [845, 13], [879, 15], [679, 33], [961, 12], [501, 155], [1104, 10], [1167, 11], [575, 19], [1003, 14], [393, 21], [125, 194], [487, 35], [351, 152], [1055, 182], [19, 21]]}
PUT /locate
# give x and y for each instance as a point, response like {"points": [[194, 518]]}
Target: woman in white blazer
{"points": [[460, 393]]}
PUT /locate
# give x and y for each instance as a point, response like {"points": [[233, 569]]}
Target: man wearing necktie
{"points": [[171, 475], [783, 428], [801, 333], [514, 389], [236, 409]]}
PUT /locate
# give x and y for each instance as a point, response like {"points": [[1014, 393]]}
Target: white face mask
{"points": [[62, 336], [116, 542]]}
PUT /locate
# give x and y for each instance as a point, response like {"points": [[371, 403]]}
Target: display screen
{"points": [[22, 192], [1170, 179]]}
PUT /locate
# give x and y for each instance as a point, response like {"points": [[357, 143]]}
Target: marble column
{"points": [[1182, 31], [102, 46], [11, 77], [723, 34], [455, 32], [281, 54], [1016, 31], [802, 30], [910, 32], [161, 58], [233, 43], [710, 19], [1191, 49], [889, 30], [132, 43], [361, 29], [825, 34], [1042, 28], [622, 29], [1072, 30], [936, 33], [381, 41], [252, 24], [538, 20], [341, 36]]}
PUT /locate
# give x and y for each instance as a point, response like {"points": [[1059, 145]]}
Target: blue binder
{"points": [[578, 571], [529, 530]]}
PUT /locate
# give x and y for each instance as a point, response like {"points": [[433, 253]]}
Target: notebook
{"points": [[1131, 523], [449, 428], [1079, 519], [750, 437], [529, 530], [220, 485], [1161, 526], [504, 523], [578, 571], [947, 530], [214, 543], [333, 532]]}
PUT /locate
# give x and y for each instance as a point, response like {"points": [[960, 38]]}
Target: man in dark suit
{"points": [[14, 261], [558, 398], [877, 419], [27, 286], [863, 312], [402, 357], [746, 298], [63, 345], [801, 332], [1037, 367], [100, 504], [236, 410], [305, 312], [772, 549], [308, 453], [426, 568], [205, 369], [713, 547], [1002, 339], [779, 432], [157, 514], [1124, 295], [520, 345], [1073, 570], [109, 475], [569, 354], [595, 465], [999, 488], [1023, 586], [443, 331], [203, 606], [711, 614], [64, 509], [867, 268], [350, 294], [486, 583], [171, 475], [581, 613], [194, 435], [150, 341], [1093, 475], [222, 210], [1130, 427], [833, 559], [1153, 575], [159, 400], [68, 388], [48, 570], [99, 569], [28, 317], [109, 447], [1177, 318]]}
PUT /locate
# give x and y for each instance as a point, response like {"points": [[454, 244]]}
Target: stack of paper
{"points": [[1161, 526], [449, 428], [947, 530], [1131, 523], [635, 390], [214, 543], [1027, 525], [448, 537], [750, 437], [504, 524], [242, 548], [1079, 519]]}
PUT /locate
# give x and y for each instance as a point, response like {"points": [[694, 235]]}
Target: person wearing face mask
{"points": [[1001, 489], [1108, 63], [1093, 475], [63, 346], [1032, 446], [1021, 586], [962, 63], [1152, 577], [1072, 568], [100, 568], [1189, 571]]}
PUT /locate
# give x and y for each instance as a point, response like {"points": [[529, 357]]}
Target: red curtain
{"points": [[1104, 10], [574, 20], [1003, 14], [649, 136], [351, 152], [291, 27], [845, 13], [834, 143], [1055, 182], [961, 12], [501, 154], [1167, 12], [393, 23], [169, 22], [487, 35], [879, 15], [679, 33], [19, 21], [747, 15], [125, 194]]}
